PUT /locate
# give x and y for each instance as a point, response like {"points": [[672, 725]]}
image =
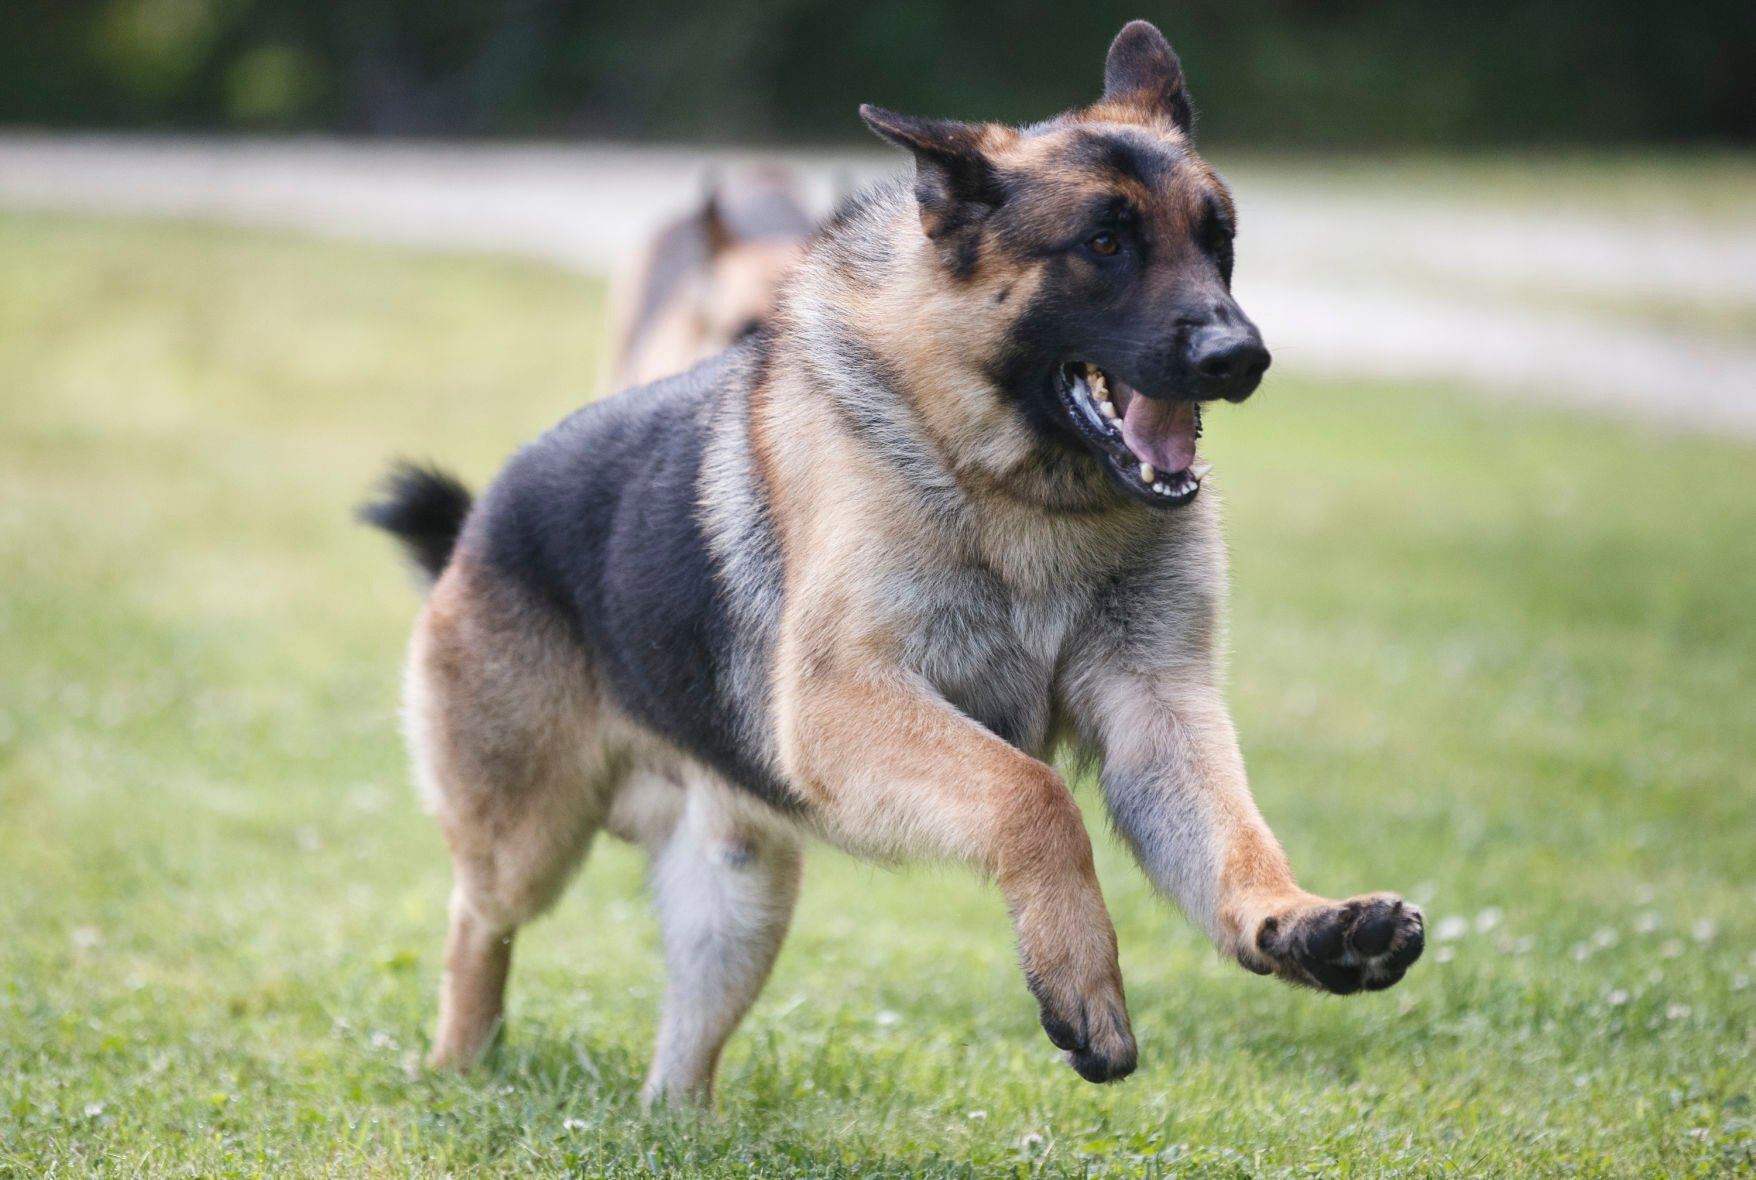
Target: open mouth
{"points": [[1148, 445]]}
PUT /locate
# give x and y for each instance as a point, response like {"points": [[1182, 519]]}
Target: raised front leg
{"points": [[1174, 780], [892, 769]]}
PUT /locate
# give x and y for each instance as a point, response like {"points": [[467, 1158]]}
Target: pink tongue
{"points": [[1161, 433]]}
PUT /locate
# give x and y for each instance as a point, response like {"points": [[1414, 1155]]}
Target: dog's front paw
{"points": [[1093, 1035], [1365, 942]]}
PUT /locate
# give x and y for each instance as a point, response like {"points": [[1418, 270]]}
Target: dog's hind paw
{"points": [[1365, 942]]}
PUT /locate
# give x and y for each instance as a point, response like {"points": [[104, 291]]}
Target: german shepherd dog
{"points": [[708, 277], [860, 576]]}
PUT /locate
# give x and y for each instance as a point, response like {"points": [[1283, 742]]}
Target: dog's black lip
{"points": [[1115, 458]]}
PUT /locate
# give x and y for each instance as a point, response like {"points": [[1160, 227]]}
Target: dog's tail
{"points": [[424, 508]]}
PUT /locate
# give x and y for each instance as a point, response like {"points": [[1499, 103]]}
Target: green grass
{"points": [[1502, 660]]}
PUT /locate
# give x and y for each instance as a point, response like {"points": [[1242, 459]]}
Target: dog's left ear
{"points": [[1142, 70], [955, 181]]}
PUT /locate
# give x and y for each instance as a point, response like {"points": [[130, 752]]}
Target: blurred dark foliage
{"points": [[1285, 73]]}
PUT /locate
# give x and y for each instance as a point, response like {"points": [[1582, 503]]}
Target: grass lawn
{"points": [[1500, 659]]}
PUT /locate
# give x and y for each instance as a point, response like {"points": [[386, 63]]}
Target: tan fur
{"points": [[504, 750]]}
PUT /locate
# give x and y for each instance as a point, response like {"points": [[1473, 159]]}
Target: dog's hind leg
{"points": [[724, 880], [501, 883], [500, 715]]}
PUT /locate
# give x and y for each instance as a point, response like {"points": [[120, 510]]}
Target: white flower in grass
{"points": [[1616, 998], [1704, 930], [886, 1018], [1678, 1012], [93, 1109], [1031, 1141], [1672, 949], [1522, 945], [1444, 954], [1488, 919], [87, 937], [978, 1114], [1646, 923], [1604, 937], [1581, 951], [1451, 929], [573, 1124], [1740, 982]]}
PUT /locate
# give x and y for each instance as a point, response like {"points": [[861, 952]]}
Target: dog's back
{"points": [[600, 520]]}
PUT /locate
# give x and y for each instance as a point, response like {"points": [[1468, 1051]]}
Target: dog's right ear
{"points": [[955, 181]]}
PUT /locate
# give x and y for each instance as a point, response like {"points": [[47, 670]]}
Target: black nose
{"points": [[1229, 363]]}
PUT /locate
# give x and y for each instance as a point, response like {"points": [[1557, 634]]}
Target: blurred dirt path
{"points": [[1346, 280]]}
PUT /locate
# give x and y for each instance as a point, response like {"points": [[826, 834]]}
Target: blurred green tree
{"points": [[1277, 73]]}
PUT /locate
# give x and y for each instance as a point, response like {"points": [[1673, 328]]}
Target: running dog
{"points": [[862, 575]]}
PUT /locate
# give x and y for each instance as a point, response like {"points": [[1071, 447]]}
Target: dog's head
{"points": [[1106, 242], [755, 229], [713, 276]]}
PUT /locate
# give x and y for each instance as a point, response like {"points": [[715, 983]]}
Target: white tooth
{"points": [[1147, 473], [1100, 389], [1200, 470], [1161, 489], [1106, 409]]}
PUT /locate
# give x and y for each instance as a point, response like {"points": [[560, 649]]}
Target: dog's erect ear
{"points": [[954, 180], [714, 231], [716, 234], [1143, 71]]}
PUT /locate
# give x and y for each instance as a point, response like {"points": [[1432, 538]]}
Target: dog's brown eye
{"points": [[1105, 244]]}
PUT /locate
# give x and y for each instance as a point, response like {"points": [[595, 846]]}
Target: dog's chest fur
{"points": [[991, 651], [993, 624]]}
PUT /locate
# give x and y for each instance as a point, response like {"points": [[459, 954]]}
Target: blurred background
{"points": [[1274, 74], [1551, 199], [1490, 518]]}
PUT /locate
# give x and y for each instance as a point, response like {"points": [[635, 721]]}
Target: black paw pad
{"points": [[1367, 943]]}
